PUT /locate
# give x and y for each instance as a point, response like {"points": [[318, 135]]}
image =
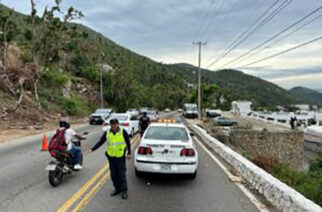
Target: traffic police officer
{"points": [[118, 143]]}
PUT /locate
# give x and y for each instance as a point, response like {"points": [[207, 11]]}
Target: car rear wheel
{"points": [[138, 173], [193, 176]]}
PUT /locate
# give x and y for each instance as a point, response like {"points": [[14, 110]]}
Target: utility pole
{"points": [[101, 89], [199, 43], [101, 66]]}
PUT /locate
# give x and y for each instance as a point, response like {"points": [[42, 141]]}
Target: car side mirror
{"points": [[192, 134]]}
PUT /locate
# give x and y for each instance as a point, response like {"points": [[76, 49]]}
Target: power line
{"points": [[282, 52], [228, 38], [258, 26], [199, 33], [282, 38], [224, 17], [243, 33], [214, 18], [273, 37]]}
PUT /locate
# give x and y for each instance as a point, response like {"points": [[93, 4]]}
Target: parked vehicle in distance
{"points": [[133, 112], [127, 121], [223, 121], [144, 109], [99, 116], [167, 110], [153, 115], [190, 110], [179, 110], [166, 148], [210, 113]]}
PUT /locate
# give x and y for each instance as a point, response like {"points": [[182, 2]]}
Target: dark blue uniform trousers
{"points": [[118, 170]]}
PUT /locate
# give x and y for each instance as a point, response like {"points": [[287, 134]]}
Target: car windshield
{"points": [[102, 111], [151, 112], [119, 117], [167, 133]]}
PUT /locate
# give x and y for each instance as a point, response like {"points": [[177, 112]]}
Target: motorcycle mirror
{"points": [[85, 133]]}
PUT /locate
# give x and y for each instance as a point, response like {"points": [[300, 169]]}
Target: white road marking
{"points": [[260, 206]]}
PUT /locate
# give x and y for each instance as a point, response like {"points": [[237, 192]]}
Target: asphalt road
{"points": [[24, 183], [210, 191]]}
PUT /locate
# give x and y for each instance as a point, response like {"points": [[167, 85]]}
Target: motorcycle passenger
{"points": [[144, 123], [73, 150]]}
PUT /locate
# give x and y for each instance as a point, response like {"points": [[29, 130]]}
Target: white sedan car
{"points": [[133, 112], [127, 121], [166, 148]]}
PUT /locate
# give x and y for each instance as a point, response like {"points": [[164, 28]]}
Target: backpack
{"points": [[57, 142]]}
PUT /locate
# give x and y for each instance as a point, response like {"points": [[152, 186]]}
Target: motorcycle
{"points": [[62, 166]]}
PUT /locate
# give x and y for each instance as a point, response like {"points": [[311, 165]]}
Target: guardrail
{"points": [[275, 191]]}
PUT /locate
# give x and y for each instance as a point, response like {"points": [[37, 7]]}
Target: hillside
{"points": [[63, 59], [240, 86], [319, 90], [307, 95]]}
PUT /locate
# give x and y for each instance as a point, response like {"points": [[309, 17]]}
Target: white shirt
{"points": [[69, 134]]}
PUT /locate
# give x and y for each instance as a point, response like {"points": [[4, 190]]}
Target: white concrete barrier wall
{"points": [[276, 192]]}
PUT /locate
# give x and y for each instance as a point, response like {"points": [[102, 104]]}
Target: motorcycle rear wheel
{"points": [[55, 177]]}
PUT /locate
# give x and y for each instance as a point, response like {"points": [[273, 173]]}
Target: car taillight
{"points": [[149, 151], [183, 152], [145, 151], [187, 152], [142, 150], [126, 124]]}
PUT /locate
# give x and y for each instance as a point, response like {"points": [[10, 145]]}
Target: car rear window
{"points": [[102, 111], [120, 118], [167, 133]]}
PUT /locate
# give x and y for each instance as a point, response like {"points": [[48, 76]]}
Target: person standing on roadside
{"points": [[118, 143]]}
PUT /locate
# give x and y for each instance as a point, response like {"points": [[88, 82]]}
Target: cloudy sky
{"points": [[165, 29]]}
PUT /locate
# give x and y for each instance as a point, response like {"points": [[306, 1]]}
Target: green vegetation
{"points": [[308, 183], [61, 52], [235, 85], [308, 96]]}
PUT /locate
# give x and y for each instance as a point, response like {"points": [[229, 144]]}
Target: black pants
{"points": [[118, 170]]}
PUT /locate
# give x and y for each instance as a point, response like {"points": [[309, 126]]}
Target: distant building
{"points": [[303, 107], [241, 107]]}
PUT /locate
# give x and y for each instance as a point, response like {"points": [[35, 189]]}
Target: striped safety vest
{"points": [[115, 143]]}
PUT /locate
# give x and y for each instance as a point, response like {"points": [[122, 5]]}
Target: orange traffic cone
{"points": [[44, 145]]}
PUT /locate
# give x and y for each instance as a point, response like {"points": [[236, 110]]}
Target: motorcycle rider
{"points": [[144, 122], [73, 150]]}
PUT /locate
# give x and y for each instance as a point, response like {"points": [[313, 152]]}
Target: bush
{"points": [[89, 72], [308, 183], [75, 106], [266, 163], [52, 77], [26, 57]]}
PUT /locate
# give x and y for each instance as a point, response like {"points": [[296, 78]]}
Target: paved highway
{"points": [[24, 184]]}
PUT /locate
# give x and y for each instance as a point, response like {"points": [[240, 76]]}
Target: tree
{"points": [[8, 27], [209, 95]]}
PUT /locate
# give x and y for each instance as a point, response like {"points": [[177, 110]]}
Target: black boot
{"points": [[124, 195], [114, 193]]}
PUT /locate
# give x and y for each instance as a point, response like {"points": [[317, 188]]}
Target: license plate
{"points": [[51, 167], [165, 167]]}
